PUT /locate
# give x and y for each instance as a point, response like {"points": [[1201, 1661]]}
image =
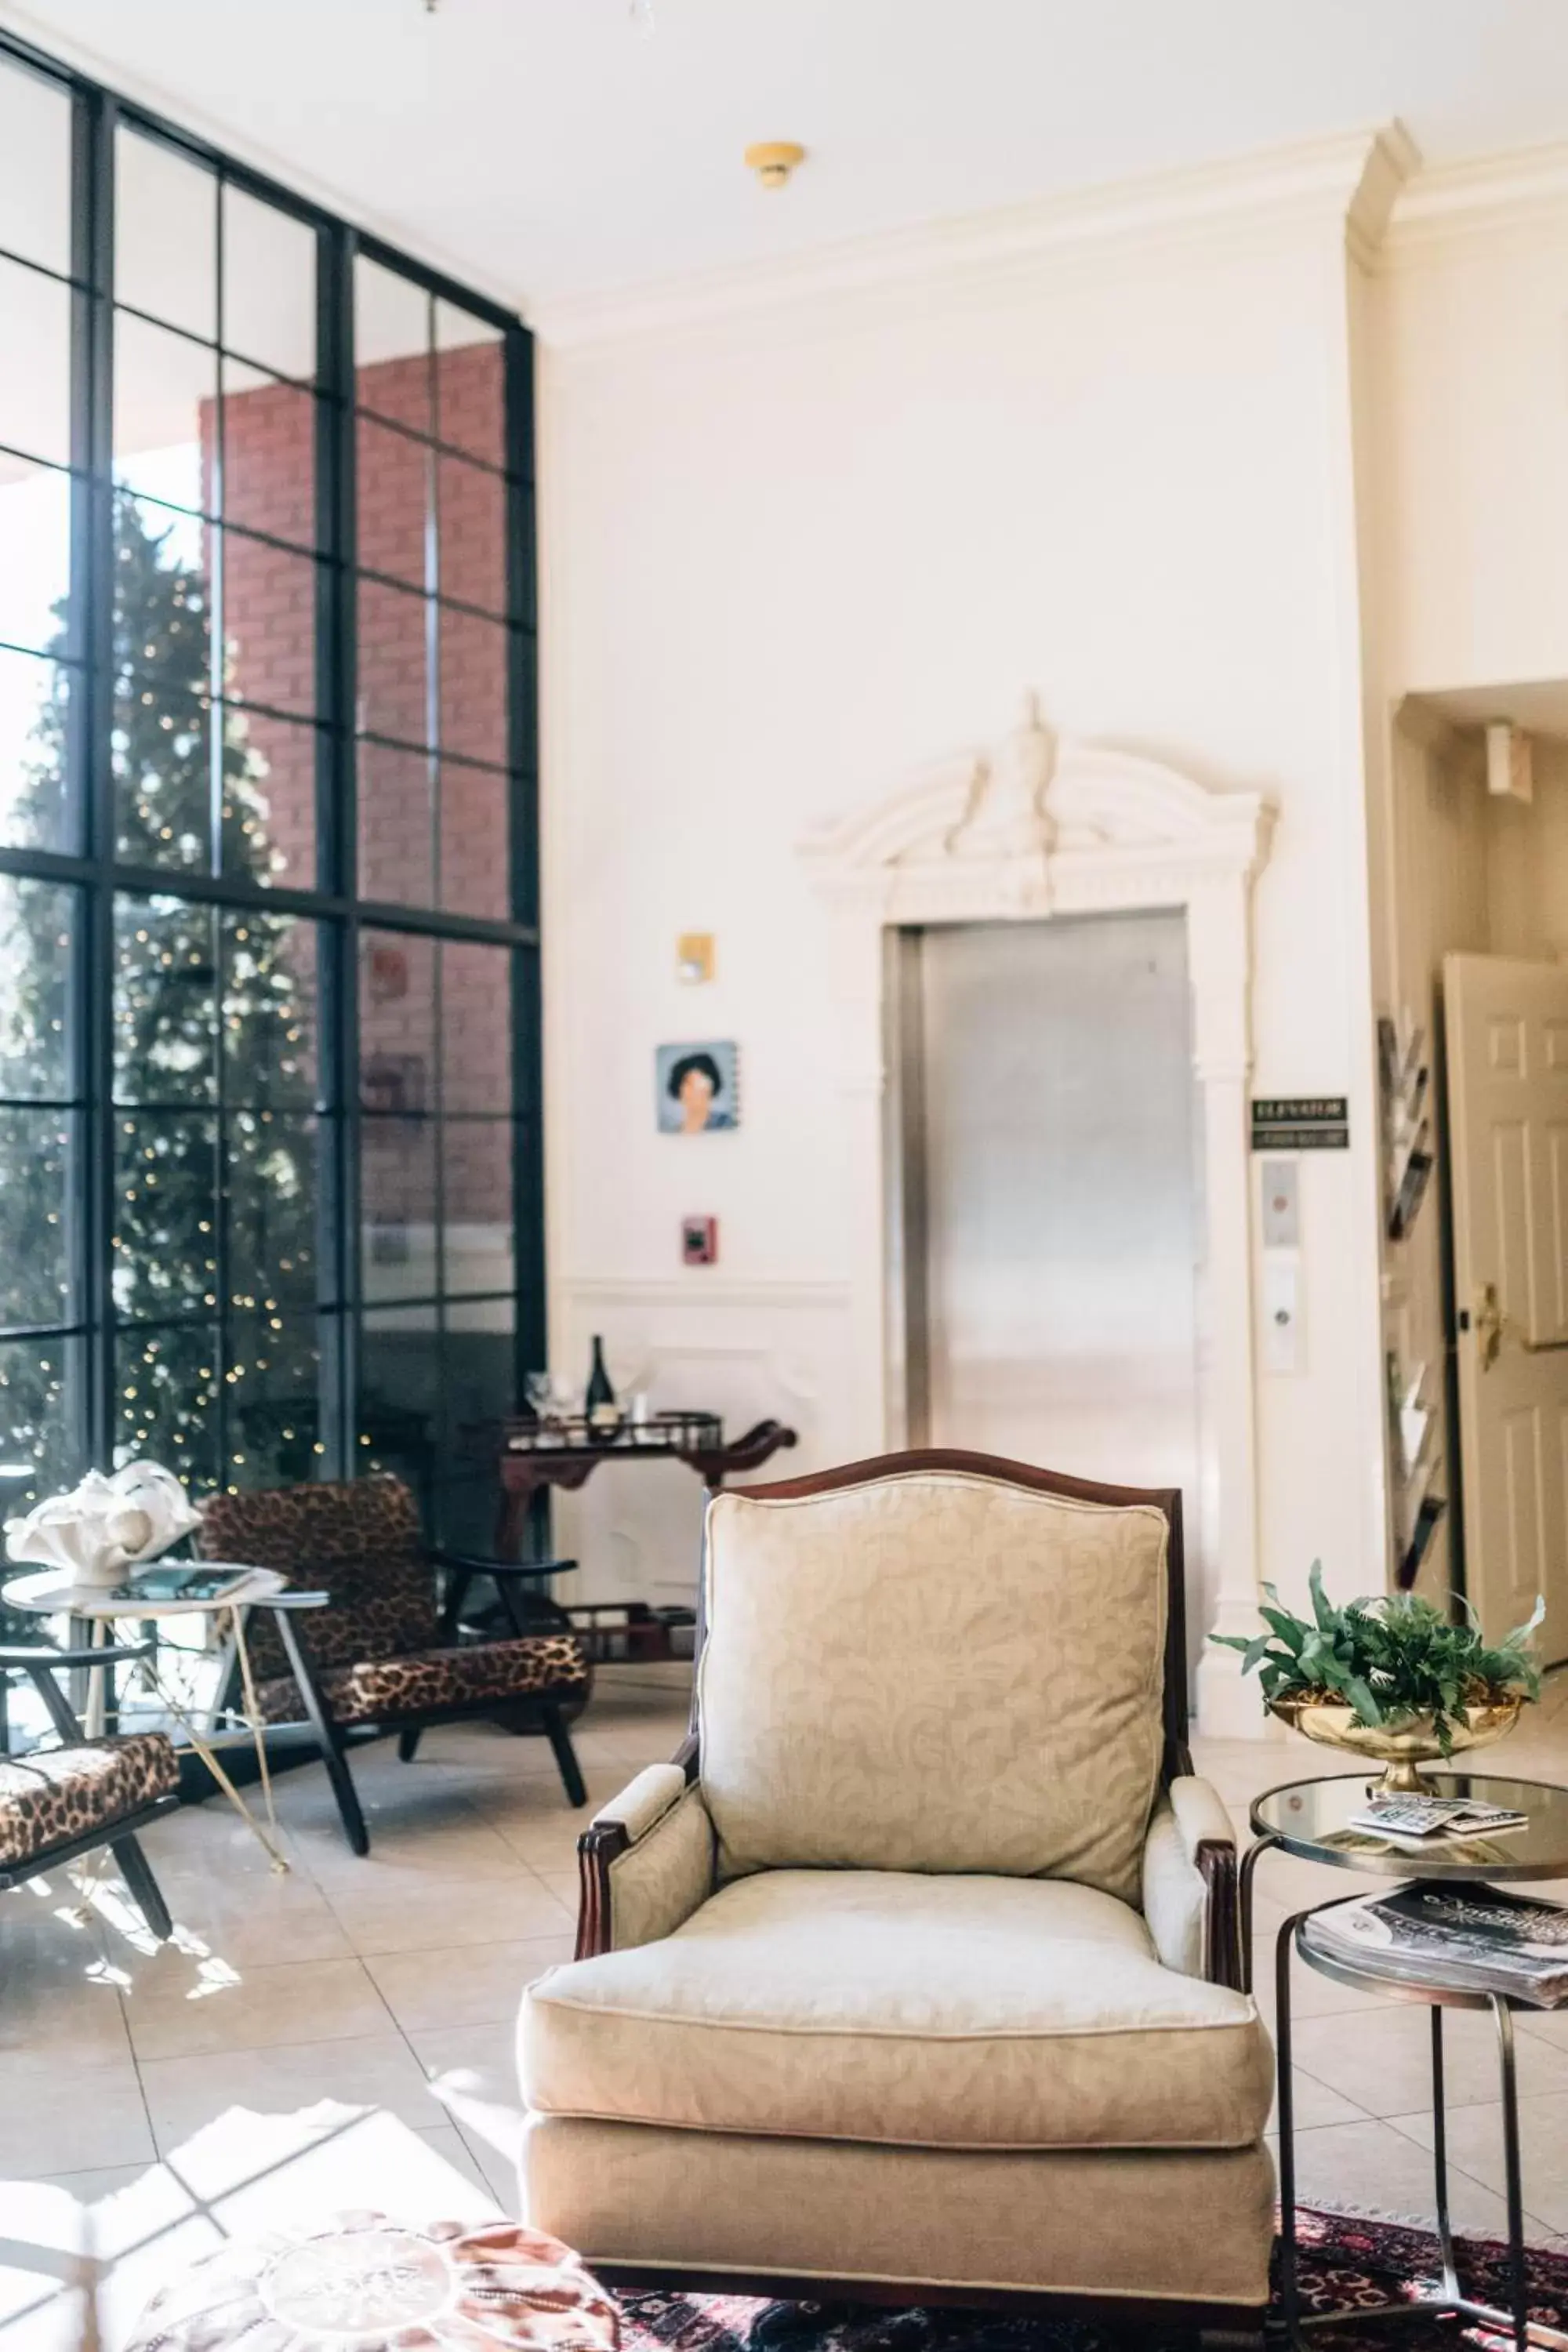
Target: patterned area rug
{"points": [[1346, 2264]]}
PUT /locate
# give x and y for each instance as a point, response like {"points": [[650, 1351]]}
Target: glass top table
{"points": [[1311, 1819]]}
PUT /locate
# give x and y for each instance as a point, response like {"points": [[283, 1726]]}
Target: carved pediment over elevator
{"points": [[1040, 821]]}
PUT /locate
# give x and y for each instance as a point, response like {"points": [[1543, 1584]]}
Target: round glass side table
{"points": [[1311, 1819]]}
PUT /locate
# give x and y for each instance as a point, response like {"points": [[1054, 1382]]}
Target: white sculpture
{"points": [[106, 1525]]}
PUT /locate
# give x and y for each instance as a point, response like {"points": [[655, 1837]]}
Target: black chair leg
{"points": [[565, 1755], [148, 1896], [408, 1743], [327, 1736]]}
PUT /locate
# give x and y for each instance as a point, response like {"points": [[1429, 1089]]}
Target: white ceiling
{"points": [[547, 148]]}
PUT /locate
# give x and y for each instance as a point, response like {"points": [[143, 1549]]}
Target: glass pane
{"points": [[34, 400], [392, 342], [474, 656], [478, 1381], [35, 988], [34, 702], [165, 410], [34, 557], [268, 454], [470, 384], [395, 832], [41, 1417], [472, 508], [271, 1180], [400, 1394], [475, 876], [476, 1028], [397, 1017], [398, 1193], [394, 689], [268, 285], [165, 233], [268, 1010], [273, 1384], [38, 1148], [476, 1177], [392, 490], [165, 1248], [34, 167], [269, 798], [268, 625], [162, 636], [166, 1386], [166, 1003]]}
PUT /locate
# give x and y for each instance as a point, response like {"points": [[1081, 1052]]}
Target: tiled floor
{"points": [[343, 2035]]}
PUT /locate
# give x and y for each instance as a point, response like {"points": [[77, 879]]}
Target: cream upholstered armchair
{"points": [[916, 1974]]}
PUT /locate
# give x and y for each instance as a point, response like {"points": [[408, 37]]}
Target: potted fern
{"points": [[1394, 1677]]}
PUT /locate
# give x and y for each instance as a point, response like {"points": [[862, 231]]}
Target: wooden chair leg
{"points": [[148, 1896], [328, 1736], [408, 1742], [565, 1755]]}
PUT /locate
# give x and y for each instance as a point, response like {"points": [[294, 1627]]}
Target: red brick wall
{"points": [[269, 657]]}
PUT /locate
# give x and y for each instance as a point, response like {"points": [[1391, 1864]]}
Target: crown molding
{"points": [[1459, 202], [1347, 184]]}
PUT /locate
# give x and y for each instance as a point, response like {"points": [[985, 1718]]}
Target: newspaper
{"points": [[1417, 1816], [1464, 1938]]}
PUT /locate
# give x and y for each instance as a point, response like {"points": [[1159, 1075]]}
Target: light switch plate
{"points": [[1281, 1182]]}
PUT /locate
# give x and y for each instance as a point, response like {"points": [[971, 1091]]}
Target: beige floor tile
{"points": [[1316, 2105], [473, 2072], [1370, 2168], [319, 2083], [1475, 2144], [60, 2001], [222, 2008], [470, 1984], [458, 1844], [428, 2174], [250, 1922], [69, 2117], [425, 1914], [1381, 2059]]}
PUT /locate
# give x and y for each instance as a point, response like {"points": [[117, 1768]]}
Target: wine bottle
{"points": [[599, 1400]]}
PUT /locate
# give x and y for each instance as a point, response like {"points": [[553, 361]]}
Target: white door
{"points": [[1506, 1025]]}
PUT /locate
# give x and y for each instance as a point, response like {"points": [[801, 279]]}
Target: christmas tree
{"points": [[213, 1015]]}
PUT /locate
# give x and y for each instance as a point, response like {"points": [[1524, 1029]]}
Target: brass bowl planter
{"points": [[1401, 1747]]}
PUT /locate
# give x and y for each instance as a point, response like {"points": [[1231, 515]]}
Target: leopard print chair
{"points": [[380, 1649], [58, 1803]]}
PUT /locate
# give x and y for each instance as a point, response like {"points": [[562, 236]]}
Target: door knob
{"points": [[1489, 1320]]}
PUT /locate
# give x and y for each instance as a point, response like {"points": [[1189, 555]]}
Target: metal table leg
{"points": [[1249, 1861], [1517, 2283], [1440, 2159]]}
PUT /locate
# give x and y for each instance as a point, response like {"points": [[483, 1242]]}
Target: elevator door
{"points": [[1052, 1293]]}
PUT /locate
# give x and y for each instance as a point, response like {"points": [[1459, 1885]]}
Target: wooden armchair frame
{"points": [[41, 1663]]}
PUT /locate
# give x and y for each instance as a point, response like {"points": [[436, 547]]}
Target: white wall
{"points": [[795, 548]]}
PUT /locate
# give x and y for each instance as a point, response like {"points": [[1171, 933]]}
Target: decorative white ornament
{"points": [[106, 1525]]}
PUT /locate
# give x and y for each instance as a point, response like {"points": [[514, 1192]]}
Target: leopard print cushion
{"points": [[59, 1793], [358, 1540], [539, 1665]]}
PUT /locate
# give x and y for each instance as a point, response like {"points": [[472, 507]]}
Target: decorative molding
{"points": [[1346, 183], [1458, 203], [1039, 828], [703, 1291]]}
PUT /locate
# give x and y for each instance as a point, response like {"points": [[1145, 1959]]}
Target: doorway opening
{"points": [[1046, 1222], [1476, 1080]]}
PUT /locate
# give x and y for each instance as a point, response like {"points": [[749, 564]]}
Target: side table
{"points": [[1311, 1819], [97, 1611]]}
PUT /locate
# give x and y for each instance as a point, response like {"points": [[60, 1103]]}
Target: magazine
{"points": [[1428, 1817], [1467, 1938]]}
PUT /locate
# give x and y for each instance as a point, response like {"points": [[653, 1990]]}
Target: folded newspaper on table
{"points": [[1465, 1938], [1417, 1816]]}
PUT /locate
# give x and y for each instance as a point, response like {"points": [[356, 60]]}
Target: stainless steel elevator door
{"points": [[1053, 1120]]}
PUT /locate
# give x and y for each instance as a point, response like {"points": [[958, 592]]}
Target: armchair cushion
{"points": [[933, 1671], [926, 2011], [56, 1794], [378, 1690], [1176, 1895]]}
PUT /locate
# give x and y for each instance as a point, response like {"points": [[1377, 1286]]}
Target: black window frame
{"points": [[340, 915]]}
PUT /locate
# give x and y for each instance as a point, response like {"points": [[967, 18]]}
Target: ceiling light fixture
{"points": [[773, 160]]}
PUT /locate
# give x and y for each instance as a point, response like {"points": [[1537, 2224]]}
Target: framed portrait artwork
{"points": [[697, 1089]]}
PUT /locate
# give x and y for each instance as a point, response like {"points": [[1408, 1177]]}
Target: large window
{"points": [[270, 1191]]}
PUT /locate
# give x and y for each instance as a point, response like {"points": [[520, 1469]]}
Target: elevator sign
{"points": [[1300, 1123]]}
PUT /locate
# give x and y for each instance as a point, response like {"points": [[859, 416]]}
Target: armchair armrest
{"points": [[646, 1859], [1190, 1883]]}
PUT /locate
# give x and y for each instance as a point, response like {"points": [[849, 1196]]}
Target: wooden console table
{"points": [[529, 1463]]}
